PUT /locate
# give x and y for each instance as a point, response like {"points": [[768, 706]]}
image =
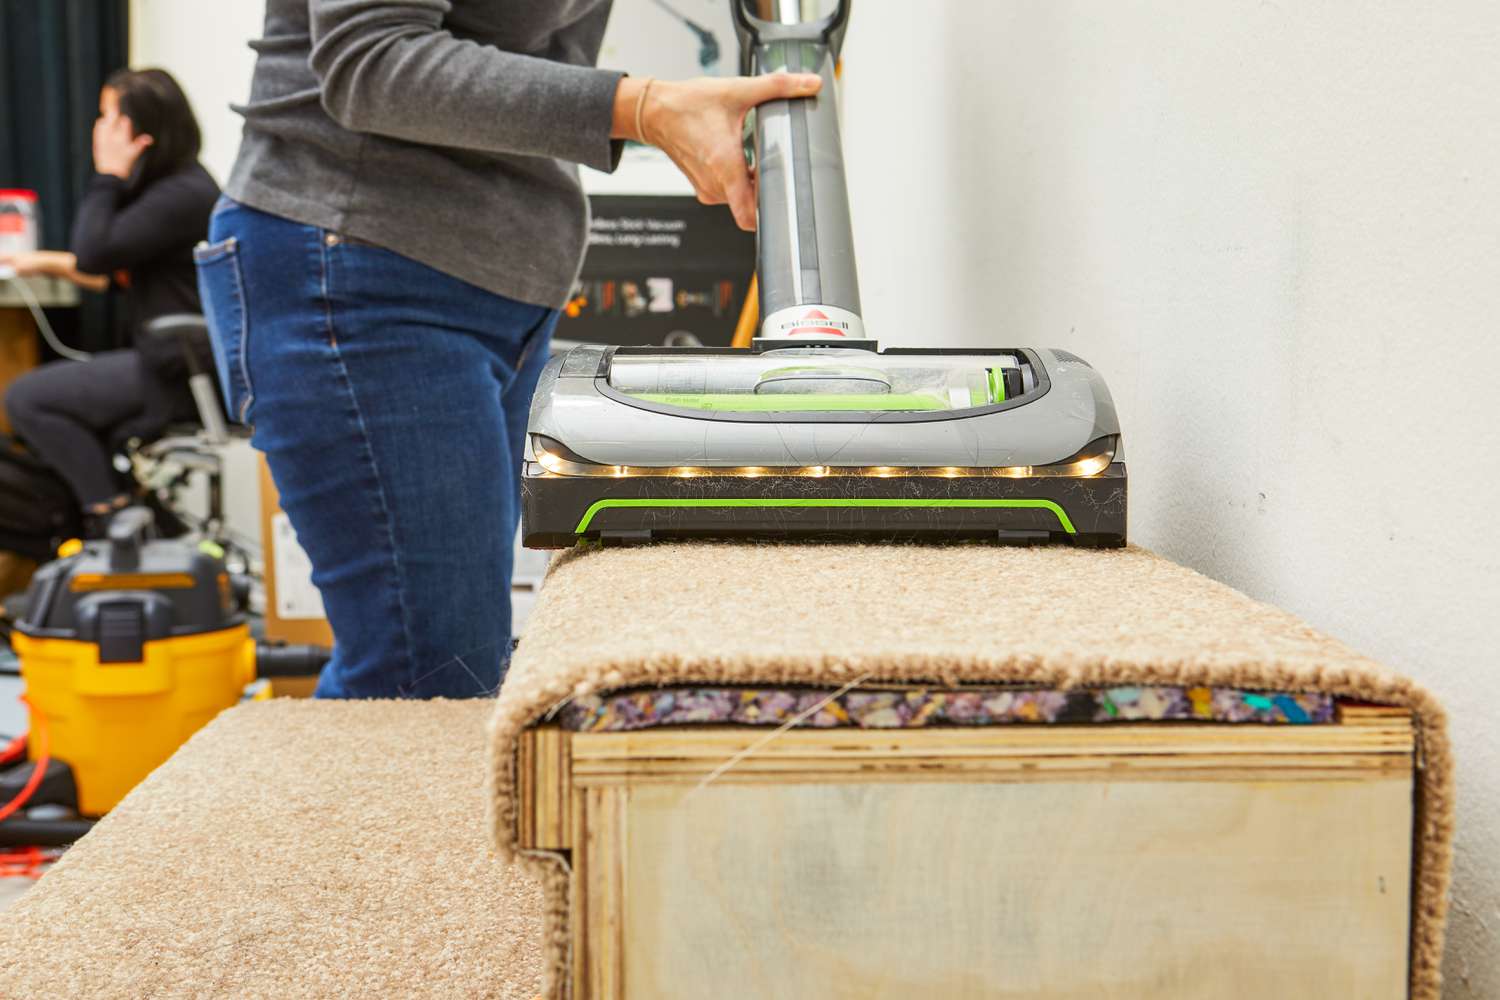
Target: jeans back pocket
{"points": [[221, 285]]}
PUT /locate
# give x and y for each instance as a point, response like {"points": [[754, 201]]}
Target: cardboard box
{"points": [[294, 613]]}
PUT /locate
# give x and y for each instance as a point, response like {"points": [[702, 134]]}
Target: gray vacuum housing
{"points": [[814, 432]]}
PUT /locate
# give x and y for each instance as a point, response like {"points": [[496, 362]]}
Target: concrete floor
{"points": [[12, 712], [12, 889]]}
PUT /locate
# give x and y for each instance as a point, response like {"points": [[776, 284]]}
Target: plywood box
{"points": [[1144, 860]]}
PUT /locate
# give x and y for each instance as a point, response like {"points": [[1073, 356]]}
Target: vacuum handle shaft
{"points": [[809, 288]]}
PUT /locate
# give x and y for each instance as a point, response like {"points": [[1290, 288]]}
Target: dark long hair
{"points": [[157, 107]]}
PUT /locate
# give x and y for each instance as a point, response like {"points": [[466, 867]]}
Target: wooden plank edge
{"points": [[544, 789], [1133, 739]]}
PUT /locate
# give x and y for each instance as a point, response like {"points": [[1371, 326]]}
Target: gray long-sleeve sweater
{"points": [[445, 130]]}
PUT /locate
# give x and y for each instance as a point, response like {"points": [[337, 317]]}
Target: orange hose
{"points": [[744, 330], [38, 771]]}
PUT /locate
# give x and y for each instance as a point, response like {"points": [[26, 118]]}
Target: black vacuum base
{"points": [[560, 511]]}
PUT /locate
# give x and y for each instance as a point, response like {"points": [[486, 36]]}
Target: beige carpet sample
{"points": [[828, 616], [291, 849]]}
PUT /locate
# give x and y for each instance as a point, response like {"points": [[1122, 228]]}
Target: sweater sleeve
{"points": [[110, 234], [389, 67]]}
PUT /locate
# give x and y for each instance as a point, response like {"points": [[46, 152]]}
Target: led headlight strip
{"points": [[550, 462]]}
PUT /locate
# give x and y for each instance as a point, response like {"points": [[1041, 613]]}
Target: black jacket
{"points": [[146, 237]]}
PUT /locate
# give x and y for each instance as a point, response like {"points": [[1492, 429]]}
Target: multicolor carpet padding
{"points": [[626, 637], [812, 708]]}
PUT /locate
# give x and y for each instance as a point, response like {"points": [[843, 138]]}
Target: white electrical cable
{"points": [[63, 350]]}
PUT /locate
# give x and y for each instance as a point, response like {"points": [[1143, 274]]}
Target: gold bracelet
{"points": [[640, 106]]}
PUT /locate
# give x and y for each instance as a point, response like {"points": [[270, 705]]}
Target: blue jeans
{"points": [[390, 401]]}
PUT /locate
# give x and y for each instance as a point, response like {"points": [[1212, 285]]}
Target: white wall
{"points": [[203, 44], [1275, 227], [645, 39]]}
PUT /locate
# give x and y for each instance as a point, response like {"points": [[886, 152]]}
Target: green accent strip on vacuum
{"points": [[745, 402], [997, 385], [598, 505]]}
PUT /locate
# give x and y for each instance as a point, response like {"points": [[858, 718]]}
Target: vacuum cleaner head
{"points": [[814, 432], [819, 442]]}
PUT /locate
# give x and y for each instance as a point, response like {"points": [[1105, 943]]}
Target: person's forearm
{"points": [[61, 264], [70, 272], [391, 68], [52, 263]]}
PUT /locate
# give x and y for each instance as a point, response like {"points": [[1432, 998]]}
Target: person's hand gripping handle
{"points": [[700, 125]]}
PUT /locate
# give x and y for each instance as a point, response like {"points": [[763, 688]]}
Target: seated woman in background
{"points": [[144, 210]]}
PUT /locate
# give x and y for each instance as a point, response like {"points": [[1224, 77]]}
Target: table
{"points": [[19, 351]]}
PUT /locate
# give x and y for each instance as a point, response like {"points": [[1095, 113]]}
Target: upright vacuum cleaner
{"points": [[814, 431]]}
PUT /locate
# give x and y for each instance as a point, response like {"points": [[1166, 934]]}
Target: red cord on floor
{"points": [[39, 769], [26, 862], [14, 750]]}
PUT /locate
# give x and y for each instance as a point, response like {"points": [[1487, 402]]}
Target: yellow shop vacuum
{"points": [[127, 647]]}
